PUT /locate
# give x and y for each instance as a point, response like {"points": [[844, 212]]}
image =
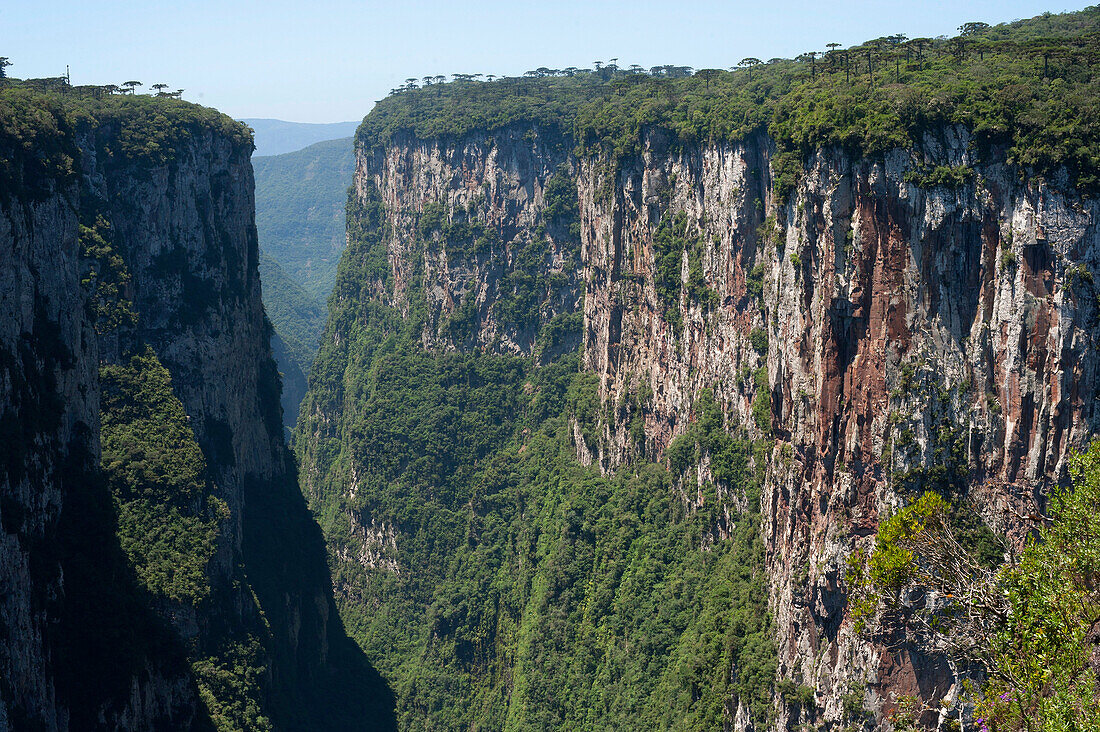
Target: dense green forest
{"points": [[526, 591], [1029, 86]]}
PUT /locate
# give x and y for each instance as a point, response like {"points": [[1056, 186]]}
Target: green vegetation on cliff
{"points": [[168, 517], [37, 129], [495, 580], [1027, 622], [168, 525], [671, 243], [1029, 86]]}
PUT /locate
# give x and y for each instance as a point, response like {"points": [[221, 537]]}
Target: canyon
{"points": [[902, 337], [623, 375]]}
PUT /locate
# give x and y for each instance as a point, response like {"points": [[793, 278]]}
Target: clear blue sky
{"points": [[329, 60]]}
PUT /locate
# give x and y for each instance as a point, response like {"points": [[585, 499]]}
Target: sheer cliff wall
{"points": [[888, 334], [88, 645]]}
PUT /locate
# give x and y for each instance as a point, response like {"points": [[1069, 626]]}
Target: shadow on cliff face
{"points": [[105, 638], [99, 636], [321, 680]]}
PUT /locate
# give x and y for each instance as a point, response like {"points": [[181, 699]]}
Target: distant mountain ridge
{"points": [[300, 199], [276, 136], [300, 221]]}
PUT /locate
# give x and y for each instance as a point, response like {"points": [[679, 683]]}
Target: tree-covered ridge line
{"points": [[63, 85], [39, 129], [1028, 86]]}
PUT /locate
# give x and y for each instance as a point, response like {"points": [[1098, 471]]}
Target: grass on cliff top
{"points": [[1030, 86], [39, 122]]}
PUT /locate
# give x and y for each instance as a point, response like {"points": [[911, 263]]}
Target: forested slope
{"points": [[300, 200]]}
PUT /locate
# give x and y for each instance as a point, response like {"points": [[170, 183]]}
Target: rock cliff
{"points": [[884, 332], [915, 337], [136, 234]]}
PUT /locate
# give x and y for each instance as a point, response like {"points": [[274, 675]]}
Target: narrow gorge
{"points": [[599, 378]]}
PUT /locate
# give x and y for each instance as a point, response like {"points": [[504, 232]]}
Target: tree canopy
{"points": [[1029, 87]]}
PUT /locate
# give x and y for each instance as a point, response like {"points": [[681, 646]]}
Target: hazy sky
{"points": [[329, 60]]}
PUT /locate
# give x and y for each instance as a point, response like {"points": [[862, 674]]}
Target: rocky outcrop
{"points": [[886, 333], [183, 227]]}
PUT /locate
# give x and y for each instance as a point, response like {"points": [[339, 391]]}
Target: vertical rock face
{"points": [[492, 186], [183, 228], [911, 333], [52, 497], [48, 363], [187, 235], [888, 335]]}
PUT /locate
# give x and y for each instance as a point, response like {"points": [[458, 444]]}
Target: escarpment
{"points": [[867, 331], [498, 215], [905, 338], [160, 568]]}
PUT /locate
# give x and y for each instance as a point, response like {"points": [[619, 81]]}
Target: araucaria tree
{"points": [[810, 56], [748, 63], [707, 75]]}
